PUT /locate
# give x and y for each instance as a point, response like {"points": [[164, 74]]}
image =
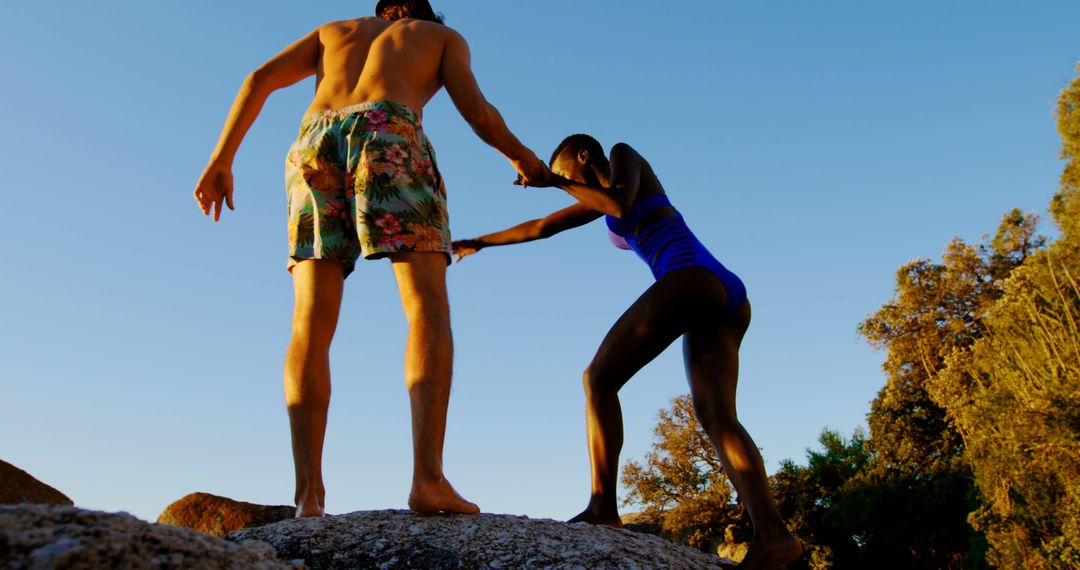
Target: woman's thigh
{"points": [[662, 314]]}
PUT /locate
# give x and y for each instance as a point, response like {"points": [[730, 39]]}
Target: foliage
{"points": [[1066, 205], [1015, 395], [1015, 398], [807, 495], [911, 502], [911, 520], [938, 308]]}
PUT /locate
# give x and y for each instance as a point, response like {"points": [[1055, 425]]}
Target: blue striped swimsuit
{"points": [[668, 244]]}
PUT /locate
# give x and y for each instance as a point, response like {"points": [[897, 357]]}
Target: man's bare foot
{"points": [[767, 554], [306, 510], [439, 497], [311, 506], [594, 515]]}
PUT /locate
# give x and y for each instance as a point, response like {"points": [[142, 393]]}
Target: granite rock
{"points": [[218, 516], [51, 536], [400, 539], [18, 486]]}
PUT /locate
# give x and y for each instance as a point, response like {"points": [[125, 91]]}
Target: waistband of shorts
{"points": [[390, 107]]}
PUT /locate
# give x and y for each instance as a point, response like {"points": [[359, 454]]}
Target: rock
{"points": [[18, 486], [734, 545], [49, 536], [400, 539], [218, 516], [734, 551], [646, 522]]}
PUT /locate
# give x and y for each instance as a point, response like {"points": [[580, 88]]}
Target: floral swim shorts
{"points": [[363, 181]]}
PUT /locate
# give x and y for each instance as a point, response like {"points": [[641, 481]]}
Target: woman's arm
{"points": [[565, 219], [626, 165], [293, 64]]}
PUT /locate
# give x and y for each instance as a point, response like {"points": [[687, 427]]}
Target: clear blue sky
{"points": [[815, 147]]}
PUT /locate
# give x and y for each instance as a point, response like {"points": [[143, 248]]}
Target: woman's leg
{"points": [[650, 325], [711, 350]]}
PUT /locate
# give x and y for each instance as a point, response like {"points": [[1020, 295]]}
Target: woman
{"points": [[694, 296]]}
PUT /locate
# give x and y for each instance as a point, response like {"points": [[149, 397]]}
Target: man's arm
{"points": [[556, 222], [626, 165], [292, 65], [482, 116]]}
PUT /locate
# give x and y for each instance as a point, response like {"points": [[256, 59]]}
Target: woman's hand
{"points": [[215, 187], [466, 247]]}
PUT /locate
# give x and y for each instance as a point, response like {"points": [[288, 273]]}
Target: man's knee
{"points": [[311, 328], [302, 394], [427, 303], [432, 320], [306, 400]]}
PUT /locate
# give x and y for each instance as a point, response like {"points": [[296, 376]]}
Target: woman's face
{"points": [[569, 167]]}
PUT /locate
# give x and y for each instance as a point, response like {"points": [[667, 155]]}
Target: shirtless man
{"points": [[362, 181]]}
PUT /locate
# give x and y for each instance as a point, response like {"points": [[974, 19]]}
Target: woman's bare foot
{"points": [[439, 497], [770, 554], [594, 515]]}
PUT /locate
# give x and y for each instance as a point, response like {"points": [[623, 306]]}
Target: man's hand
{"points": [[532, 172], [466, 247], [214, 188]]}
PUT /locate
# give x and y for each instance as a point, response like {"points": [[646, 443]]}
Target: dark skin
{"points": [[688, 303]]}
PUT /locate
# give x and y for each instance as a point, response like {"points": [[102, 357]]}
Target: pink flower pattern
{"points": [[396, 154], [389, 223], [375, 191]]}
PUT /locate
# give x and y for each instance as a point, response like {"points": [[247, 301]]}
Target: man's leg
{"points": [[318, 287], [429, 358]]}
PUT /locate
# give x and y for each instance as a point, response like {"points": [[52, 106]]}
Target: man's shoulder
{"points": [[435, 28], [350, 24], [449, 34]]}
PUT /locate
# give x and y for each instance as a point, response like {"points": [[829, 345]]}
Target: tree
{"points": [[683, 482], [1015, 395], [807, 496], [912, 501], [938, 308]]}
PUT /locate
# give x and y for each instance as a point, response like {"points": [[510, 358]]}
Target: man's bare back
{"points": [[370, 59]]}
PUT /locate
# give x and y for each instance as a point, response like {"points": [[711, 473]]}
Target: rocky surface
{"points": [[400, 539], [732, 545], [648, 523], [49, 536], [18, 486], [218, 516]]}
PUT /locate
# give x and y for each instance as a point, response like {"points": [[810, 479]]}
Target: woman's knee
{"points": [[716, 416], [600, 378]]}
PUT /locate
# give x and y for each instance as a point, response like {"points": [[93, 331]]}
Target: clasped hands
{"points": [[533, 172]]}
